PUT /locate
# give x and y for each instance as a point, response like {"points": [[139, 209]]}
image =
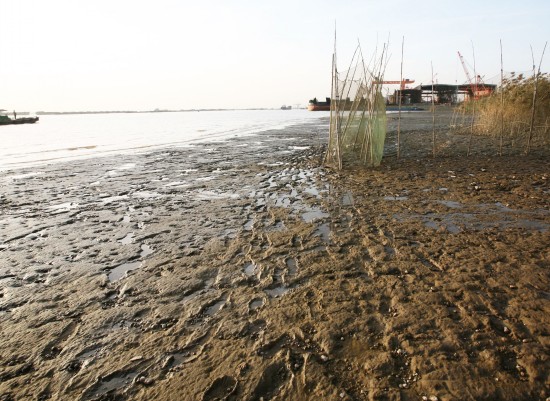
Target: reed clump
{"points": [[510, 111]]}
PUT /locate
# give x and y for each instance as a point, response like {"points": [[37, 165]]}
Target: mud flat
{"points": [[243, 270]]}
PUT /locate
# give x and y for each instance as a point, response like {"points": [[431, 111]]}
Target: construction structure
{"points": [[435, 93], [408, 96], [441, 94], [474, 89], [400, 83], [452, 94]]}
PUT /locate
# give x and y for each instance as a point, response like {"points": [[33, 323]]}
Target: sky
{"points": [[70, 55]]}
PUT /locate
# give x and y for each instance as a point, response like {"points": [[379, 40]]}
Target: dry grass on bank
{"points": [[508, 112]]}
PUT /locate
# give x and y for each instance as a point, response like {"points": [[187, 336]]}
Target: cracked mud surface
{"points": [[243, 270]]}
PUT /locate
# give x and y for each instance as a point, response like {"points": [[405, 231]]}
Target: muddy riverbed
{"points": [[244, 270]]}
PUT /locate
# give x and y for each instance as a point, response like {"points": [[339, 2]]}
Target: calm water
{"points": [[68, 137]]}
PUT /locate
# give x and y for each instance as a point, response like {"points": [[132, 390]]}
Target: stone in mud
{"points": [[145, 381]]}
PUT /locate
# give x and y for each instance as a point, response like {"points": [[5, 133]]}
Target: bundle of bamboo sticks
{"points": [[357, 112]]}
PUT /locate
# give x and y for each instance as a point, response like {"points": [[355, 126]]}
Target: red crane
{"points": [[477, 87]]}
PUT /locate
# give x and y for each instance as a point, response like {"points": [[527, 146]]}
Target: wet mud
{"points": [[244, 270]]}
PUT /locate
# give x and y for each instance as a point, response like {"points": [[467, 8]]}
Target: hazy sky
{"points": [[63, 55]]}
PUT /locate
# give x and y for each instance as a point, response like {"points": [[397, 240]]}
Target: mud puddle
{"points": [[120, 271]]}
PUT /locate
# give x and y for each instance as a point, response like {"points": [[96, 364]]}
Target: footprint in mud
{"points": [[110, 384], [121, 270], [347, 199], [216, 306], [374, 325], [277, 291], [271, 348], [278, 276], [221, 389], [190, 352], [291, 266], [255, 304], [251, 269], [508, 362], [296, 361], [82, 360], [249, 225], [323, 232], [253, 329], [270, 382], [384, 305], [297, 242], [128, 239], [54, 348]]}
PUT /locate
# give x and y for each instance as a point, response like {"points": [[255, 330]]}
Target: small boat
{"points": [[6, 120]]}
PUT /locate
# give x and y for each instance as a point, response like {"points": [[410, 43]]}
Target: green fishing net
{"points": [[357, 125]]}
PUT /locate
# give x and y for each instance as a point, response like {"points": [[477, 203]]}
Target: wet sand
{"points": [[243, 270]]}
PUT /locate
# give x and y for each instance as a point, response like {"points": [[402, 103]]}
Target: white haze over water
{"points": [[59, 138]]}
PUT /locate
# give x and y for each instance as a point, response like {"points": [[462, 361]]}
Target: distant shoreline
{"points": [[45, 113]]}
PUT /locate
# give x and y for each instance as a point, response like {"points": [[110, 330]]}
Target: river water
{"points": [[57, 138]]}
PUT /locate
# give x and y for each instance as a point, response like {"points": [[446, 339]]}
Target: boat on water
{"points": [[315, 105], [7, 120], [342, 104]]}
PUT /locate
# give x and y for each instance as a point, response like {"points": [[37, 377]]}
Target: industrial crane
{"points": [[477, 87], [400, 83]]}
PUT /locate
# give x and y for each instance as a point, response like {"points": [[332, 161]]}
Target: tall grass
{"points": [[509, 109]]}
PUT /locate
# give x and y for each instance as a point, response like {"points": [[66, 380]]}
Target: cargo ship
{"points": [[315, 105]]}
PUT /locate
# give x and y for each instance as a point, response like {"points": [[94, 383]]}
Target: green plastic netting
{"points": [[357, 119]]}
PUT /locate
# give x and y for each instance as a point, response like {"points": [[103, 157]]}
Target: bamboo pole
{"points": [[338, 120], [331, 120], [400, 96], [501, 101], [433, 112], [354, 105], [474, 91], [365, 92], [366, 118], [536, 76], [376, 87], [332, 155], [336, 91], [533, 102]]}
